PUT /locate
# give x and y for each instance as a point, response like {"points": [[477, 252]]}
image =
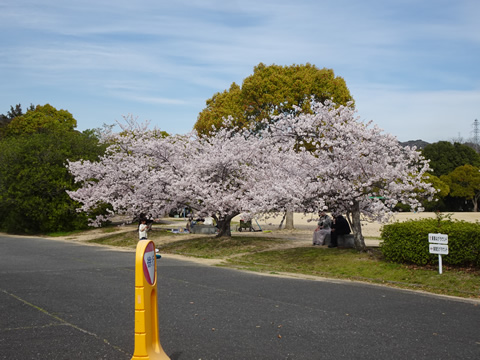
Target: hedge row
{"points": [[407, 242]]}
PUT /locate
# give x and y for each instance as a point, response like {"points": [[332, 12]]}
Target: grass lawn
{"points": [[278, 256], [349, 264]]}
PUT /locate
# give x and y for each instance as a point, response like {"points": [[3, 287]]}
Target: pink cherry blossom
{"points": [[298, 162]]}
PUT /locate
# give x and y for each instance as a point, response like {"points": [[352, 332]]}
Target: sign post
{"points": [[147, 341], [438, 245]]}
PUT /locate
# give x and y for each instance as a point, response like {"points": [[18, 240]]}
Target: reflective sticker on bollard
{"points": [[149, 263]]}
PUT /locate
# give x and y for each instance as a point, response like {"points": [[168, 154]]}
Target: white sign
{"points": [[438, 238], [438, 249]]}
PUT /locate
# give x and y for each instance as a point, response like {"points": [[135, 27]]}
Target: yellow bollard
{"points": [[147, 341]]}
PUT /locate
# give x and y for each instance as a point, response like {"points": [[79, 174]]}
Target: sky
{"points": [[412, 66]]}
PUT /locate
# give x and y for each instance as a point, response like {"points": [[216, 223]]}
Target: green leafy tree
{"points": [[272, 90], [219, 107], [437, 204], [14, 112], [41, 118], [33, 176], [445, 157], [464, 182]]}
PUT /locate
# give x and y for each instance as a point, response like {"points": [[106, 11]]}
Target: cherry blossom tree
{"points": [[331, 158], [298, 162], [218, 173], [144, 172], [135, 175]]}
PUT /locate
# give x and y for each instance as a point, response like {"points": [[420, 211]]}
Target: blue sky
{"points": [[412, 66]]}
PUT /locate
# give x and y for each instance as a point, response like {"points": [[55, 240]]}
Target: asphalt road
{"points": [[61, 300]]}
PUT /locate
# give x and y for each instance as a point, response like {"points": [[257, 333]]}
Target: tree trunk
{"points": [[289, 220], [357, 227], [223, 225], [281, 222]]}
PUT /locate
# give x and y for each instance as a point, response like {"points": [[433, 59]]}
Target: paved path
{"points": [[61, 300]]}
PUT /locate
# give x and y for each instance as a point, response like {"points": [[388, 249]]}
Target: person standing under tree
{"points": [[142, 230]]}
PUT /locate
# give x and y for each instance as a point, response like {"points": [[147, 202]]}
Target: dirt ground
{"points": [[304, 226], [369, 229]]}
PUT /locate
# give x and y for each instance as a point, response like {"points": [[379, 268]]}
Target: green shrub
{"points": [[407, 242]]}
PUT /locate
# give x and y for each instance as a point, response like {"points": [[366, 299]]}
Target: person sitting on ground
{"points": [[340, 227], [323, 228]]}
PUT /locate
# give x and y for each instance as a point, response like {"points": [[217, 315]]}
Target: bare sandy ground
{"points": [[300, 236], [369, 229]]}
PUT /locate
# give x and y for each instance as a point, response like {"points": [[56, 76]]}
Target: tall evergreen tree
{"points": [[33, 176], [445, 157]]}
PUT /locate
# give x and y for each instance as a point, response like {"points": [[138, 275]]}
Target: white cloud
{"points": [[412, 67]]}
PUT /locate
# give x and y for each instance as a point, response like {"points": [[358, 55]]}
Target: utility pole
{"points": [[476, 135]]}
